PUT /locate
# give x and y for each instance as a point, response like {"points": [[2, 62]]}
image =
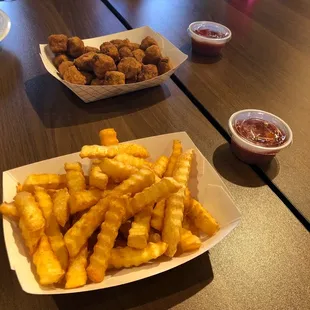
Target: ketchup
{"points": [[209, 33], [260, 132]]}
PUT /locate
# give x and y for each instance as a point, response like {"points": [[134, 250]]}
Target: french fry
{"points": [[202, 218], [83, 200], [189, 225], [158, 214], [117, 170], [61, 206], [134, 184], [154, 237], [47, 265], [19, 188], [124, 229], [129, 257], [76, 275], [75, 177], [98, 151], [160, 165], [78, 234], [47, 181], [97, 178], [175, 204], [152, 194], [188, 241], [108, 137], [176, 152], [52, 229], [133, 161], [29, 210], [98, 262], [139, 231], [187, 200], [9, 209]]}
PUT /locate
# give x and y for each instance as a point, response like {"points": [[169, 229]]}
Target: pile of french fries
{"points": [[126, 212]]}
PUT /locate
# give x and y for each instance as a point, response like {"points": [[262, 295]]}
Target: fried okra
{"points": [[147, 42], [114, 78], [164, 65], [148, 72], [58, 43], [125, 52], [74, 76], [75, 47], [85, 61], [130, 67], [97, 81], [88, 49], [59, 59], [110, 49], [138, 54], [64, 66], [152, 55], [103, 63]]}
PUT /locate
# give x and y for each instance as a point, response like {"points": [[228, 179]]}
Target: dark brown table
{"points": [[263, 264], [265, 66]]}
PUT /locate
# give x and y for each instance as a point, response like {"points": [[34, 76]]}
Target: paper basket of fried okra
{"points": [[120, 206], [111, 65]]}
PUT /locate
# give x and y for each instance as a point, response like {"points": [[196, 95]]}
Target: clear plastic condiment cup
{"points": [[249, 152]]}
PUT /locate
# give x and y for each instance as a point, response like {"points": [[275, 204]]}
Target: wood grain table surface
{"points": [[265, 66], [263, 264]]}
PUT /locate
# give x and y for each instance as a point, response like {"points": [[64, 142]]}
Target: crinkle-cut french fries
{"points": [[154, 237], [117, 170], [99, 260], [99, 151], [31, 238], [124, 229], [176, 152], [76, 275], [47, 181], [52, 229], [61, 206], [83, 200], [133, 161], [9, 209], [139, 231], [134, 184], [190, 225], [202, 218], [108, 137], [29, 211], [97, 178], [188, 241], [78, 234], [160, 165], [158, 215], [75, 177], [152, 194], [187, 200], [47, 265], [129, 257], [182, 167]]}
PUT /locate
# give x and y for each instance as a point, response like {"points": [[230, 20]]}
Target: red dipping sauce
{"points": [[209, 33]]}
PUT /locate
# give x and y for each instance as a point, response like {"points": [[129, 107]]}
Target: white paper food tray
{"points": [[205, 184], [89, 93]]}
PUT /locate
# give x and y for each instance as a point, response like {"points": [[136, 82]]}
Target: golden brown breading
{"points": [[75, 47], [103, 63], [133, 46], [64, 66], [97, 82], [130, 67], [110, 49], [88, 76], [164, 65], [125, 52], [119, 42], [88, 49], [59, 59], [130, 81], [114, 78], [138, 54], [85, 61], [152, 55], [125, 42], [148, 72], [74, 76], [147, 42], [58, 43]]}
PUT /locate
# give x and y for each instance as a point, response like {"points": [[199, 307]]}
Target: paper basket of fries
{"points": [[89, 93], [139, 203]]}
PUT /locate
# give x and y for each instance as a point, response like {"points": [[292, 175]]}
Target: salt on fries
{"points": [[126, 212]]}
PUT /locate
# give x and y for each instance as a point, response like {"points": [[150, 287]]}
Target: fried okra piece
{"points": [[103, 63], [88, 76], [164, 65], [59, 59], [110, 49], [148, 72], [147, 42], [88, 49], [152, 55], [75, 47], [130, 67], [125, 52], [114, 78], [97, 82], [133, 46], [85, 61], [119, 42], [64, 66], [138, 54], [74, 76], [58, 43]]}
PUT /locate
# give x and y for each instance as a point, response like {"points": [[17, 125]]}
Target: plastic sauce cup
{"points": [[250, 152], [210, 45]]}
